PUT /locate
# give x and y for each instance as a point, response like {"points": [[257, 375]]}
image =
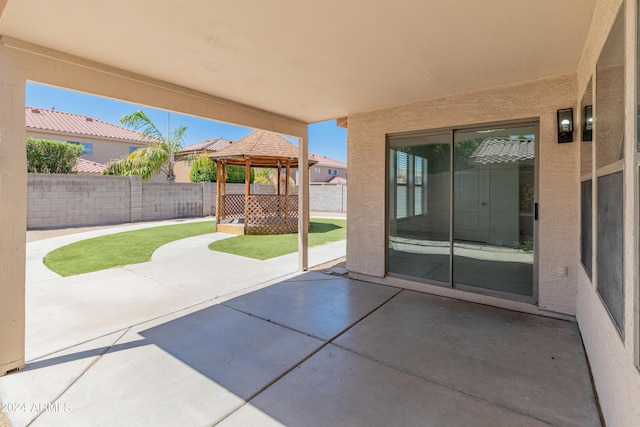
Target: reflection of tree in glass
{"points": [[437, 155], [462, 151]]}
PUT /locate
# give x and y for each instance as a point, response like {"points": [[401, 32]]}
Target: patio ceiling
{"points": [[315, 60]]}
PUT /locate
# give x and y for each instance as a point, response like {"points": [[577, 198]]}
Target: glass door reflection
{"points": [[493, 207], [419, 206]]}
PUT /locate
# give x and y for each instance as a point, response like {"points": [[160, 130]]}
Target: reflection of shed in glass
{"points": [[493, 174], [257, 213]]}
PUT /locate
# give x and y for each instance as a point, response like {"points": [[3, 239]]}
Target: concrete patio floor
{"points": [[170, 343]]}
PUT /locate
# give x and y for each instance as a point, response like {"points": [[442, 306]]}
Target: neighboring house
{"points": [[87, 167], [101, 141], [186, 154], [328, 171]]}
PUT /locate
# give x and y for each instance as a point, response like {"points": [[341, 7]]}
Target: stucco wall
{"points": [[558, 187], [611, 356]]}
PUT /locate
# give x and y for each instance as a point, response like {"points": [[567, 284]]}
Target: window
{"points": [[317, 170], [586, 194], [133, 148], [87, 147], [609, 154], [334, 172]]}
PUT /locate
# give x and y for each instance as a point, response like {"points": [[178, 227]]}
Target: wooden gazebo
{"points": [[257, 213]]}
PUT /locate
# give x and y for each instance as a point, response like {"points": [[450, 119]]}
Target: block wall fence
{"points": [[58, 201]]}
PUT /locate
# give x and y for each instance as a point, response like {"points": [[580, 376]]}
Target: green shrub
{"points": [[204, 170], [45, 156], [235, 174]]}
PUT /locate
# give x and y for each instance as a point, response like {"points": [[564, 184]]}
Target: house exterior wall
{"points": [[182, 171], [104, 150], [557, 195], [613, 358], [323, 175]]}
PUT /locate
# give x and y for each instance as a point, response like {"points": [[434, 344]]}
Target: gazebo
{"points": [[257, 213]]}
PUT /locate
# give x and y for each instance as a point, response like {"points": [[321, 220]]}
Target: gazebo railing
{"points": [[267, 213], [231, 206]]}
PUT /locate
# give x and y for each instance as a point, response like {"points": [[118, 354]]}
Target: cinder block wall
{"points": [[59, 201], [328, 198], [56, 201], [168, 201]]}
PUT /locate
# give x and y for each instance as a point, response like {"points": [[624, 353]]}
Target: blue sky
{"points": [[325, 138]]}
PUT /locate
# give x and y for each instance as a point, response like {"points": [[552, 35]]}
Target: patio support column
{"points": [[303, 201], [223, 185], [13, 217], [219, 210], [286, 192]]}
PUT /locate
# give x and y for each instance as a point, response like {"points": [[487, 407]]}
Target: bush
{"points": [[235, 174], [204, 170], [45, 156]]}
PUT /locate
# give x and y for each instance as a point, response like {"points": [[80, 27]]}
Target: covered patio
{"points": [[411, 81], [206, 338]]}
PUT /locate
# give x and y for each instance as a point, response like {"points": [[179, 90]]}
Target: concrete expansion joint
{"points": [[307, 357], [85, 370], [204, 299]]}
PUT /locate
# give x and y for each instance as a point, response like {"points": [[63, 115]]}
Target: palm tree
{"points": [[158, 156]]}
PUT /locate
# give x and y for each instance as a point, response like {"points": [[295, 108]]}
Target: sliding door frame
{"points": [[451, 131]]}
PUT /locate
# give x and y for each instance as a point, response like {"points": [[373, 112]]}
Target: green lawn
{"points": [[265, 247], [119, 249]]}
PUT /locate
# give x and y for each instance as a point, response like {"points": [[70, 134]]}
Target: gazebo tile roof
{"points": [[259, 144]]}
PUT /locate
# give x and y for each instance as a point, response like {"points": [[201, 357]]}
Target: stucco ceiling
{"points": [[315, 60]]}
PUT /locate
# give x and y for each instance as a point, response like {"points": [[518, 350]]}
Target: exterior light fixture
{"points": [[587, 123], [565, 125]]}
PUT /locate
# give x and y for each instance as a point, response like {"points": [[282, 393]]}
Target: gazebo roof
{"points": [[262, 148]]}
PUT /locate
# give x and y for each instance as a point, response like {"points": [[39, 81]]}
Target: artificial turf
{"points": [[116, 250], [270, 246]]}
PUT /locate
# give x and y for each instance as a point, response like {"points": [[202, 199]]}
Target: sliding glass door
{"points": [[419, 207], [473, 228]]}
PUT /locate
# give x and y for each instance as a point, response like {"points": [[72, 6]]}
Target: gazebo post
{"points": [[247, 192], [279, 177], [286, 192]]}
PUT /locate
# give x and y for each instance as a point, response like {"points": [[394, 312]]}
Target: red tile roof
{"points": [[215, 144], [337, 180], [87, 166], [326, 161], [59, 121]]}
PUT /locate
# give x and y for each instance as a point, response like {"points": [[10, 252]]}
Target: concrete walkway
{"points": [[196, 337]]}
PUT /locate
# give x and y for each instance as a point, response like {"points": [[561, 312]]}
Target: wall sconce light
{"points": [[565, 125], [587, 123]]}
